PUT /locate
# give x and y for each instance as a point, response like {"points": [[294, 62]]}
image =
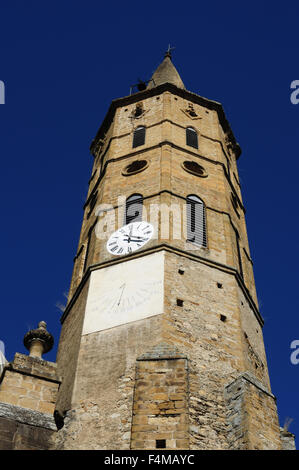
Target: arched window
{"points": [[196, 221], [133, 211], [191, 137], [139, 136]]}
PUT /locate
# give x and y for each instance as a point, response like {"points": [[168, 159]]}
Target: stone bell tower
{"points": [[161, 343]]}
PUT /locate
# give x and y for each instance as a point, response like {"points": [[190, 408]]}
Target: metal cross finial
{"points": [[168, 52]]}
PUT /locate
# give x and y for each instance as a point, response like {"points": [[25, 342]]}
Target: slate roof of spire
{"points": [[166, 73]]}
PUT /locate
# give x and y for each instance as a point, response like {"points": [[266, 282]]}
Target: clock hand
{"points": [[130, 236], [131, 230]]}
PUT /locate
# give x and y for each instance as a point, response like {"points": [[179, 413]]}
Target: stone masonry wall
{"points": [[160, 407], [31, 383], [252, 415], [25, 429], [28, 393]]}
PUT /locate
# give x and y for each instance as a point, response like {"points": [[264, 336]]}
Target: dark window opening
{"points": [[161, 444], [239, 252], [191, 137], [133, 212], [235, 204], [139, 136], [196, 221], [179, 302], [135, 167], [181, 271], [92, 203], [223, 318], [194, 168], [88, 247], [219, 285], [138, 110]]}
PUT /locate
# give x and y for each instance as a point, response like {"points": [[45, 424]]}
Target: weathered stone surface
{"points": [[162, 351], [160, 404], [251, 415], [25, 429], [287, 440], [15, 435], [27, 416], [30, 382]]}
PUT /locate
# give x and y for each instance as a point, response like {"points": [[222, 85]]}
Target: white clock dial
{"points": [[130, 238]]}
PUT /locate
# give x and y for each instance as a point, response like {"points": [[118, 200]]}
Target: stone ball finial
{"points": [[38, 341]]}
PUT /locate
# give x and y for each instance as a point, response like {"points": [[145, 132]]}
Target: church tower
{"points": [[161, 344]]}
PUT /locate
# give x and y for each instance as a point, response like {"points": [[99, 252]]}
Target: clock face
{"points": [[124, 293], [130, 238]]}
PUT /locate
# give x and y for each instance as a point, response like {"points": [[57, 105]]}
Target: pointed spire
{"points": [[166, 73]]}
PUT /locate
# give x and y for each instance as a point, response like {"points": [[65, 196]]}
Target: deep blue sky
{"points": [[62, 64]]}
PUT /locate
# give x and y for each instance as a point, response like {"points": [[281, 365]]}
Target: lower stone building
{"points": [[161, 401]]}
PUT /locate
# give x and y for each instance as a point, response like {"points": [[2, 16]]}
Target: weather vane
{"points": [[168, 52]]}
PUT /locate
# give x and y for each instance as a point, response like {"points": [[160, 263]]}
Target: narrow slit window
{"points": [[191, 137], [196, 221], [92, 203], [133, 211], [139, 136]]}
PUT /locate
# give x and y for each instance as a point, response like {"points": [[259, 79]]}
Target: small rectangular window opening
{"points": [[223, 318], [219, 285], [179, 302], [139, 137], [161, 444], [181, 271]]}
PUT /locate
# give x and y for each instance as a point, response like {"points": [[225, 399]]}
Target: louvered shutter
{"points": [[196, 221], [133, 211], [139, 137], [191, 137]]}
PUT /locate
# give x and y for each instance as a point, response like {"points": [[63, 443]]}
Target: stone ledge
{"points": [[287, 439], [247, 376], [162, 351], [27, 416], [32, 366]]}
